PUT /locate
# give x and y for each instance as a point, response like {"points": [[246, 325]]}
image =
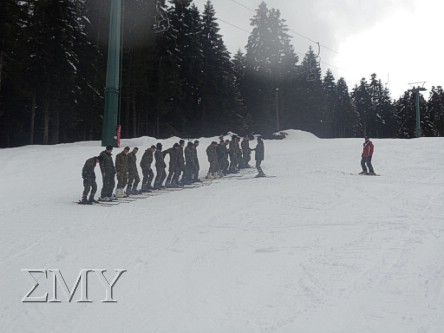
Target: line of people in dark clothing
{"points": [[183, 168]]}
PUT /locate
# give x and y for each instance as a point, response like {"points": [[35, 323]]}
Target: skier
{"points": [[259, 156], [190, 167], [89, 179], [160, 167], [173, 165], [246, 152], [122, 172], [222, 156], [196, 162], [108, 173], [367, 153], [212, 158], [232, 151], [147, 172], [180, 167], [133, 174], [238, 154]]}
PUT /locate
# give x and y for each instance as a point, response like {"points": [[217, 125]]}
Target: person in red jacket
{"points": [[367, 154]]}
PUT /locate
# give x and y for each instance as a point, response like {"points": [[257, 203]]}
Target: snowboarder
{"points": [[89, 179], [367, 153], [160, 167], [122, 172], [133, 174], [108, 174], [259, 156], [147, 172]]}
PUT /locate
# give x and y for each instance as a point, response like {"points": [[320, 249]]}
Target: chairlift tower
{"points": [[112, 92], [416, 90]]}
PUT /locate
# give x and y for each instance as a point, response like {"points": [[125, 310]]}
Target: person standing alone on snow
{"points": [[366, 160]]}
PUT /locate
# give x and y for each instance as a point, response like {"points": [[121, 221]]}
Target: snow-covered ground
{"points": [[314, 249]]}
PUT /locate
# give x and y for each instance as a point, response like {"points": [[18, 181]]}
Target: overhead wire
{"points": [[292, 30], [298, 53]]}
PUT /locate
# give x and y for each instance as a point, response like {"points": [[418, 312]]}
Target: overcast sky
{"points": [[399, 40]]}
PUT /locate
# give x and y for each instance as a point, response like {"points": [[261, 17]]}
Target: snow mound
{"points": [[292, 134]]}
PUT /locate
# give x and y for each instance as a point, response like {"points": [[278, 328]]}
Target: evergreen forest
{"points": [[178, 78]]}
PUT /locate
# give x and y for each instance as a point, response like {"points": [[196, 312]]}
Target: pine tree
{"points": [[13, 16], [138, 21], [270, 63], [345, 118], [219, 103], [406, 114], [363, 103], [330, 91], [435, 107], [185, 46], [309, 95]]}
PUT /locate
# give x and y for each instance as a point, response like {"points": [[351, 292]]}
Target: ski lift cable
{"points": [[234, 25], [298, 53], [294, 31]]}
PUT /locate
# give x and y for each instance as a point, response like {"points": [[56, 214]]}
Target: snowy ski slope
{"points": [[314, 250]]}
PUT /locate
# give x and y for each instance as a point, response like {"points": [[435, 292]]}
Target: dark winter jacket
{"points": [[189, 155], [160, 163], [147, 159], [211, 153], [260, 151], [122, 163], [181, 159], [107, 164], [174, 157], [195, 157], [132, 163], [88, 168], [245, 144]]}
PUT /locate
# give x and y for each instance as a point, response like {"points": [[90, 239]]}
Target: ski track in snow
{"points": [[313, 250]]}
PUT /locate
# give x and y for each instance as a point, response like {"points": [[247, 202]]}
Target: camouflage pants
{"points": [[171, 171], [89, 183], [214, 167], [160, 176], [178, 172], [246, 159], [122, 179], [108, 186], [258, 166], [224, 164], [233, 162], [148, 176], [196, 170], [133, 179]]}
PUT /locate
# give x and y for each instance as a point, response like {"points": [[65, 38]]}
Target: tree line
{"points": [[178, 78]]}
